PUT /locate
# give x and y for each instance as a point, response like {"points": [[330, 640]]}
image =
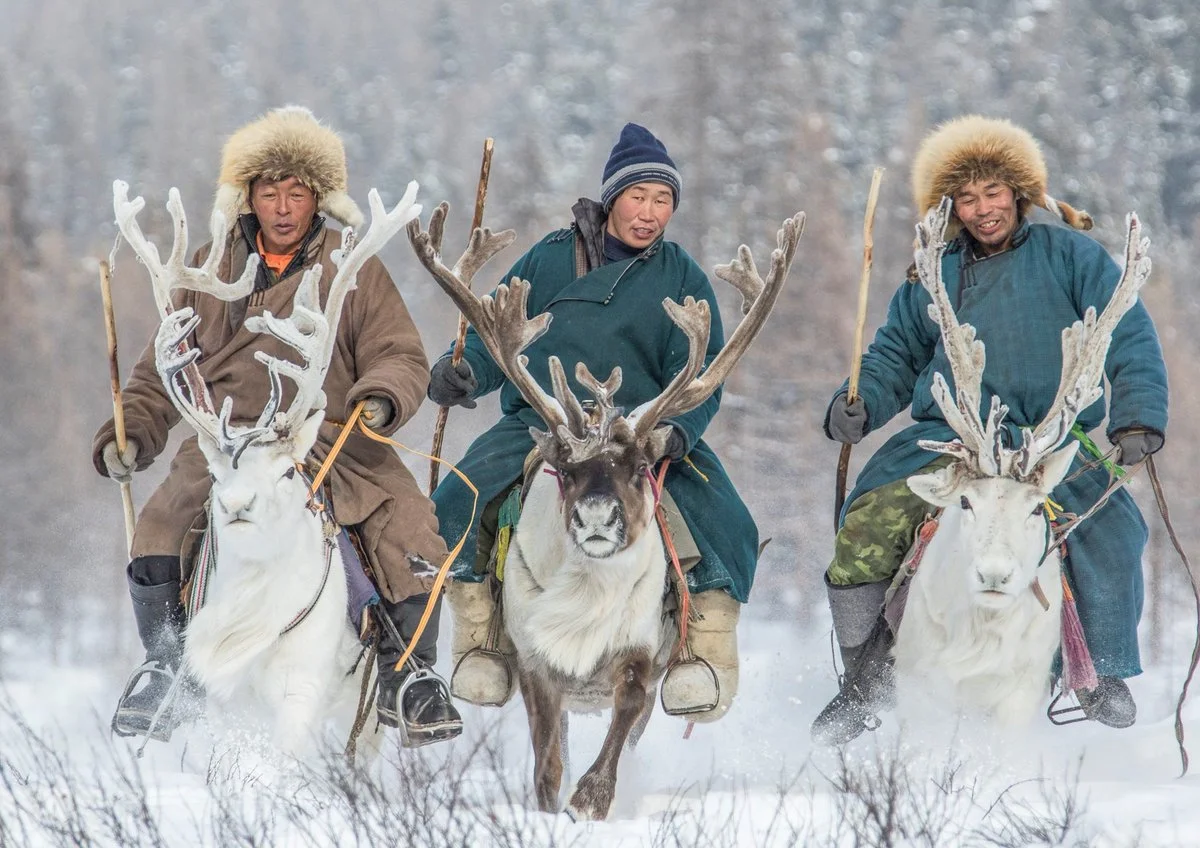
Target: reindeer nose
{"points": [[597, 513], [235, 504], [993, 579]]}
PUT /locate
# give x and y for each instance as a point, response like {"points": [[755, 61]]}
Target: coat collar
{"points": [[590, 220]]}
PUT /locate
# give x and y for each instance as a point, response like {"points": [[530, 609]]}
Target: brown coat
{"points": [[378, 352]]}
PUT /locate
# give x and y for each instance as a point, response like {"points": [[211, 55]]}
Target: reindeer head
{"points": [[601, 456], [993, 494], [254, 468]]}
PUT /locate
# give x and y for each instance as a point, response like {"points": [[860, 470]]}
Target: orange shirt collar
{"points": [[277, 262]]}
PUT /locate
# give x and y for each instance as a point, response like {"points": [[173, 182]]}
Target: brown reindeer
{"points": [[585, 576]]}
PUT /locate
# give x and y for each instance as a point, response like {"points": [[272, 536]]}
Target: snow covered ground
{"points": [[752, 779]]}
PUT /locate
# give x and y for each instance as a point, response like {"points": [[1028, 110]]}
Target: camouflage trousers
{"points": [[878, 531]]}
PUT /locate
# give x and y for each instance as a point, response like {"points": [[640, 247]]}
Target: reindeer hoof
{"points": [[591, 799]]}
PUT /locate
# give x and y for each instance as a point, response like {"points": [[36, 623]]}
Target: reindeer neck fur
{"points": [[570, 611]]}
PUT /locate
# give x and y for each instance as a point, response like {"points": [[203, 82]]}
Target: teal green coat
{"points": [[1019, 302], [611, 316]]}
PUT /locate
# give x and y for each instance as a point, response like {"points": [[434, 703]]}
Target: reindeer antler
{"points": [[1085, 348], [176, 274], [311, 330], [688, 390], [499, 318], [979, 444]]}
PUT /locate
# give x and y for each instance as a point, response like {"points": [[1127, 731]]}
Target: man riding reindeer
{"points": [[604, 279], [278, 175], [1019, 283]]}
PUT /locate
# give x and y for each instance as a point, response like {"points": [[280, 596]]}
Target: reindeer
{"points": [[273, 628], [983, 610], [585, 576]]}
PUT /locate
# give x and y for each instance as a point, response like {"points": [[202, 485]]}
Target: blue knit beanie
{"points": [[637, 157]]}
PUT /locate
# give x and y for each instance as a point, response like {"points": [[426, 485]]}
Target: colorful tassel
{"points": [[1078, 669]]}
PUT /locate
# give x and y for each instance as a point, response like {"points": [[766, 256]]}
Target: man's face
{"points": [[285, 211], [640, 213], [988, 209]]}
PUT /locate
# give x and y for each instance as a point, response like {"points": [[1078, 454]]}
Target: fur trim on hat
{"points": [[286, 142], [973, 147]]}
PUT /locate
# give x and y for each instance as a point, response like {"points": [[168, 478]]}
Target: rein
{"points": [[1161, 500], [303, 614], [439, 581]]}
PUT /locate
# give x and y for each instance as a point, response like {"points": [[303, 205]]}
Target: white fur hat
{"points": [[973, 147], [286, 142]]}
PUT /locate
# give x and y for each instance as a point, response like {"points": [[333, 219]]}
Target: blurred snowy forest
{"points": [[767, 107]]}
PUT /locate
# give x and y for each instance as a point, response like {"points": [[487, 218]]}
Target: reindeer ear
{"points": [[306, 435], [547, 445], [217, 461], [937, 487], [1052, 469]]}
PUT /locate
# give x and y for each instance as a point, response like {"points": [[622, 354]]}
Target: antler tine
{"points": [[499, 318], [1085, 349], [694, 319], [964, 352], [576, 418], [689, 389]]}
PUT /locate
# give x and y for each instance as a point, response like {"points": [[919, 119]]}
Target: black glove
{"points": [[847, 422], [1135, 445], [676, 445], [452, 385]]}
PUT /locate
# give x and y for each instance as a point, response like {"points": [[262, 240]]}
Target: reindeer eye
{"points": [[290, 473], [1040, 509], [964, 503]]}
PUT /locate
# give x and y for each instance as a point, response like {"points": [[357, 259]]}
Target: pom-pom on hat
{"points": [[286, 142], [637, 157], [973, 147]]}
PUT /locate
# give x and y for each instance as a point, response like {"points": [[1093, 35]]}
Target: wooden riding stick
{"points": [[843, 466], [439, 429], [114, 377]]}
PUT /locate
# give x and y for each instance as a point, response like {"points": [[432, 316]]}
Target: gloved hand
{"points": [[120, 465], [377, 412], [1135, 445], [451, 385], [676, 445], [847, 421]]}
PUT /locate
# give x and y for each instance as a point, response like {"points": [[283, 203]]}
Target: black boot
{"points": [[867, 687], [154, 587], [414, 699], [868, 684], [1110, 703]]}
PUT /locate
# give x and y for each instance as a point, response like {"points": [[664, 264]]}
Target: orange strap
{"points": [[440, 580], [685, 597]]}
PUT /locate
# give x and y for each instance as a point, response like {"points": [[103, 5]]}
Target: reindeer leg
{"points": [[543, 704], [594, 792], [639, 727]]}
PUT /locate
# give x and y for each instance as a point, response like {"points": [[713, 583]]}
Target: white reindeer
{"points": [[585, 575], [983, 613], [273, 631]]}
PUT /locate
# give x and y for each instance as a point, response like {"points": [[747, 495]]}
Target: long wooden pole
{"points": [[439, 429], [114, 378], [843, 466]]}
